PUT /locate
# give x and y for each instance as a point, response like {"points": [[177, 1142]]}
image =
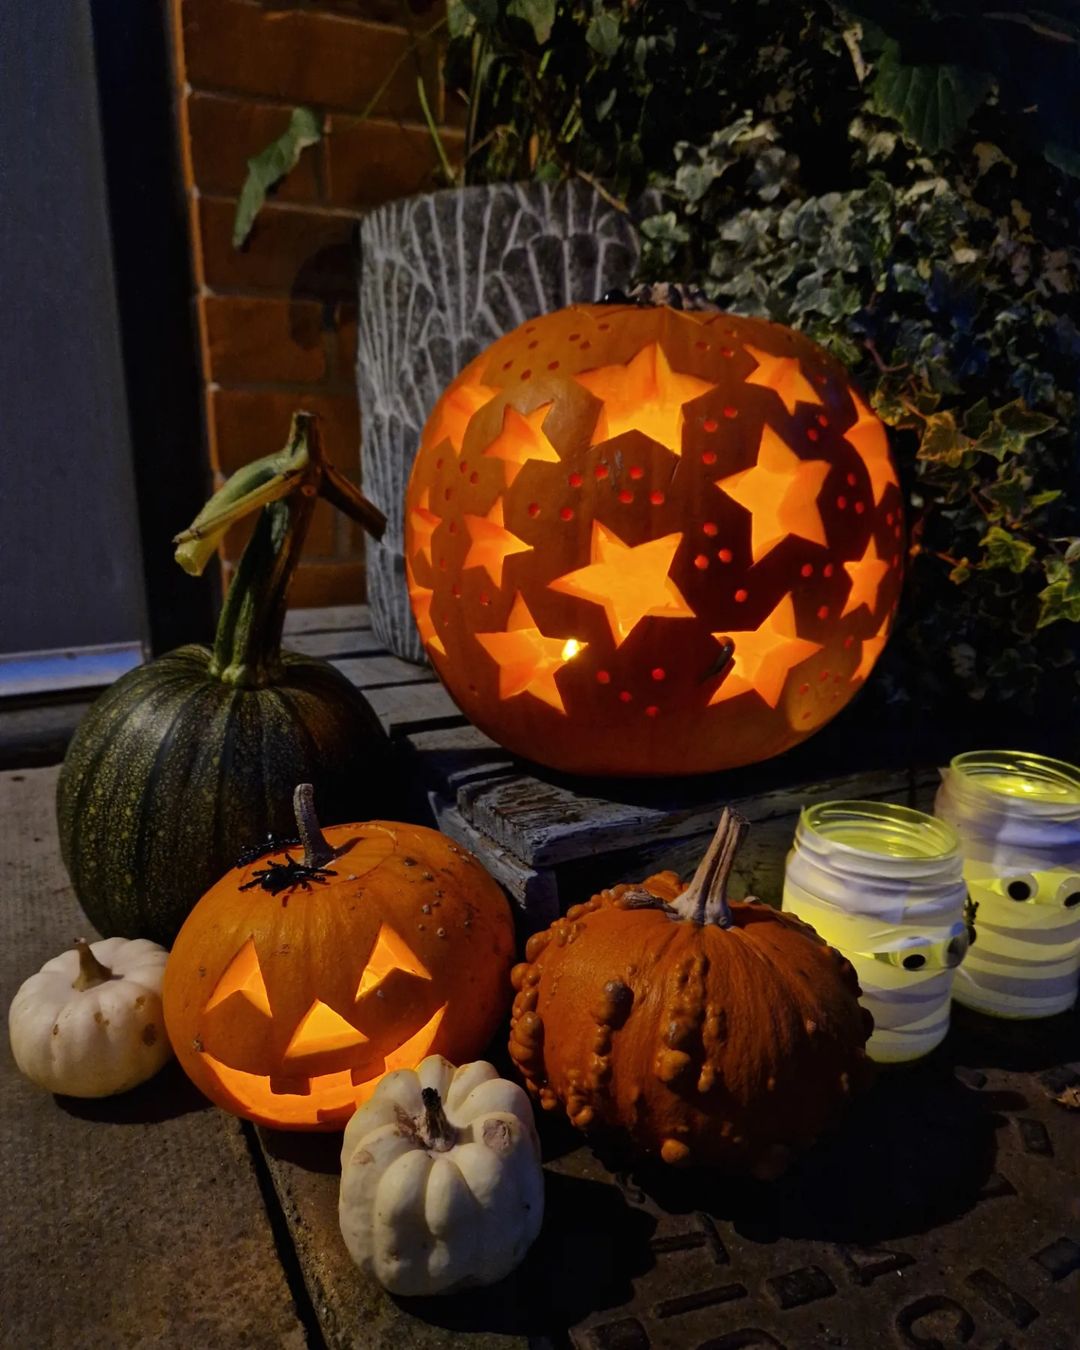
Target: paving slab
{"points": [[134, 1221]]}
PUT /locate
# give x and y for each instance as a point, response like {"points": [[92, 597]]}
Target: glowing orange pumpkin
{"points": [[648, 541], [294, 986]]}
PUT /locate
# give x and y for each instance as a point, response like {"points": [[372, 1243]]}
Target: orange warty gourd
{"points": [[294, 986], [709, 1033], [649, 541]]}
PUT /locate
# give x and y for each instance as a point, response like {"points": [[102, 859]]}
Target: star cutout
{"points": [[630, 582], [765, 656], [528, 661], [491, 543], [522, 439], [644, 395], [780, 492], [783, 375], [424, 522], [869, 439], [421, 599], [454, 412], [866, 577], [871, 650]]}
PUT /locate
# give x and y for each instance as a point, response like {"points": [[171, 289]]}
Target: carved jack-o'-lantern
{"points": [[294, 986], [641, 540]]}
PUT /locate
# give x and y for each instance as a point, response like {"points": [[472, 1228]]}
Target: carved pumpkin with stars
{"points": [[294, 986], [642, 540]]}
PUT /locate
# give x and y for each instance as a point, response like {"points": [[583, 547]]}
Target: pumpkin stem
{"points": [[705, 899], [284, 488], [435, 1130], [317, 849], [91, 970]]}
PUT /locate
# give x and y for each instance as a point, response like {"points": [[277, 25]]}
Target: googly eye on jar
{"points": [[1018, 819], [884, 885]]}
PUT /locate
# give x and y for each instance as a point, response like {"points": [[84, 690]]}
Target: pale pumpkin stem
{"points": [[705, 899], [317, 850], [91, 970], [435, 1130]]}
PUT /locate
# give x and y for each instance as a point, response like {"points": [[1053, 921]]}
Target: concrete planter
{"points": [[441, 277]]}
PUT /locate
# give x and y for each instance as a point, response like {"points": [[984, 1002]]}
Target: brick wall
{"points": [[277, 320]]}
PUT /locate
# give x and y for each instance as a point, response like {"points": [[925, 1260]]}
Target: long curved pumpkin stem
{"points": [[317, 849], [705, 899], [282, 489]]}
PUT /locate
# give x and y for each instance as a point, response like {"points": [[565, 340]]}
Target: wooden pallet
{"points": [[552, 840]]}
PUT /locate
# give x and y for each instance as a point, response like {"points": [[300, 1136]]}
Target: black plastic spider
{"points": [[277, 877]]}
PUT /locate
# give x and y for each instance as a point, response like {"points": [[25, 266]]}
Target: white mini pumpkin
{"points": [[441, 1183], [89, 1023]]}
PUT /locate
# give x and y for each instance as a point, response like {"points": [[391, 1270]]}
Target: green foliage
{"points": [[932, 103], [937, 61]]}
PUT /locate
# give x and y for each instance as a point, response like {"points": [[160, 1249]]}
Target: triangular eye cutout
{"points": [[390, 953], [242, 976], [321, 1029]]}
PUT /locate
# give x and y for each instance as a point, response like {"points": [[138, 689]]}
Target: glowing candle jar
{"points": [[884, 885], [1018, 818]]}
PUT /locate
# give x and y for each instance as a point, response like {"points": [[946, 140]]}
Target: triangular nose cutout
{"points": [[321, 1029], [390, 953], [242, 976]]}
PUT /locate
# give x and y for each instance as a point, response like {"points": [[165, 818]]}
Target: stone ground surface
{"points": [[946, 1212], [131, 1221]]}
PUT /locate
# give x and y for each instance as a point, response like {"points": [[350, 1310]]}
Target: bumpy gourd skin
{"points": [[173, 773], [730, 1047]]}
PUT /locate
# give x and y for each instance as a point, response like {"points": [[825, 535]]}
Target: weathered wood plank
{"points": [[544, 822], [370, 672], [340, 642], [408, 708], [450, 758], [132, 1221], [759, 867], [327, 619], [536, 891]]}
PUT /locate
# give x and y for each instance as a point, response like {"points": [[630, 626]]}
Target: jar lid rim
{"points": [[891, 817], [974, 765]]}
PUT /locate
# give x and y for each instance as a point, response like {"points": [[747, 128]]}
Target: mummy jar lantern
{"points": [[1018, 818], [648, 541], [884, 885]]}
